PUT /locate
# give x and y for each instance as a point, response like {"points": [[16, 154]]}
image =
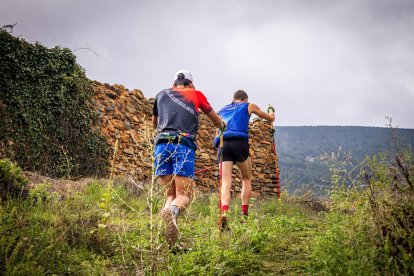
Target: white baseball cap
{"points": [[183, 74]]}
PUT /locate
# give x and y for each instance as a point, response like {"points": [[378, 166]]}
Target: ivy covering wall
{"points": [[45, 122]]}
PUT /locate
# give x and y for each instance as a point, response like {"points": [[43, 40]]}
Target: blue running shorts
{"points": [[174, 158]]}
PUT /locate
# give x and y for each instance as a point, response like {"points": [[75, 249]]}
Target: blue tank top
{"points": [[236, 116]]}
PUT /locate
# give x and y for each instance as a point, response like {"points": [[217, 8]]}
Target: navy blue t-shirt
{"points": [[177, 114]]}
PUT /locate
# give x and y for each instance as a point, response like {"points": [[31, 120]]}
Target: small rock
{"points": [[128, 151], [111, 94], [127, 124], [118, 124]]}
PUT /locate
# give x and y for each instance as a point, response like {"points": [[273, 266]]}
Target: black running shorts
{"points": [[236, 150]]}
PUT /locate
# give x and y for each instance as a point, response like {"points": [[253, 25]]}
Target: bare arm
{"points": [[253, 108], [215, 118], [154, 121]]}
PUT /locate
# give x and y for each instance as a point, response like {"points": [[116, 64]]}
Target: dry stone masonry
{"points": [[125, 116]]}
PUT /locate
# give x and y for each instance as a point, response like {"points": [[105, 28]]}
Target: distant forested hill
{"points": [[300, 148]]}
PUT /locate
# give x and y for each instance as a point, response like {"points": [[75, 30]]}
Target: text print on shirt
{"points": [[177, 101]]}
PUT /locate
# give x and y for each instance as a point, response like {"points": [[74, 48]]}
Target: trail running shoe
{"points": [[171, 229], [243, 218], [224, 224]]}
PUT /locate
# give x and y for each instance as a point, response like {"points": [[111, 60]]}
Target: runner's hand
{"points": [[270, 109], [223, 126]]}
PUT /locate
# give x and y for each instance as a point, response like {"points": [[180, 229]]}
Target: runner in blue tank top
{"points": [[236, 149]]}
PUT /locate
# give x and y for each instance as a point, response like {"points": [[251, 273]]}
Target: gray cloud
{"points": [[319, 62]]}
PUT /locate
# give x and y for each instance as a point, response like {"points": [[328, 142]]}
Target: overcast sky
{"points": [[318, 62]]}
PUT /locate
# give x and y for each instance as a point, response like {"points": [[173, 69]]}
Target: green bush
{"points": [[370, 226], [44, 235], [12, 182], [391, 197], [45, 123], [40, 194]]}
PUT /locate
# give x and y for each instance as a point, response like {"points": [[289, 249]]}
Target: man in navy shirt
{"points": [[175, 119], [236, 149]]}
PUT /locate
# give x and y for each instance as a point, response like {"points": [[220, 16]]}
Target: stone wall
{"points": [[125, 115]]}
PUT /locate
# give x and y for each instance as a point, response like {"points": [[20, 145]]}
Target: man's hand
{"points": [[270, 109], [223, 126]]}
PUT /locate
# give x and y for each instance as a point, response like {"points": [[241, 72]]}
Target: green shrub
{"points": [[41, 194], [12, 182], [49, 236], [370, 226], [45, 123], [391, 197]]}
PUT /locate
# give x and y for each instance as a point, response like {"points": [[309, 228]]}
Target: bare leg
{"points": [[246, 171], [183, 191], [179, 195], [227, 168], [169, 184]]}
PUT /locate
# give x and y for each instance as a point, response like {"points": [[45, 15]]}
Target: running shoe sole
{"points": [[171, 229]]}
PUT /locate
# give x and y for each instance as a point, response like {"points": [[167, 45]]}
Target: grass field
{"points": [[96, 230], [101, 227]]}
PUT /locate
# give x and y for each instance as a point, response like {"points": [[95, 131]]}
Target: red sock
{"points": [[224, 208], [245, 210]]}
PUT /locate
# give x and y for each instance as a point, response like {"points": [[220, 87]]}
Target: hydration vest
{"points": [[236, 116]]}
